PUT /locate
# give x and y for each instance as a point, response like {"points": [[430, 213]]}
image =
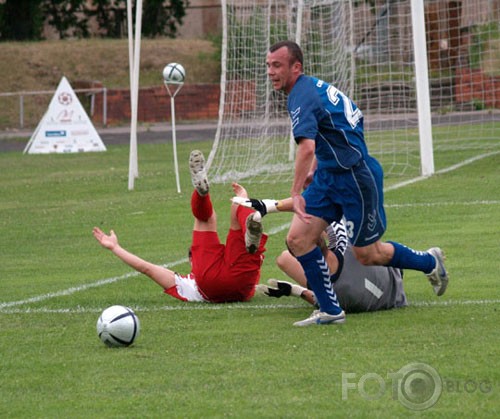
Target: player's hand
{"points": [[275, 288], [299, 208], [107, 241]]}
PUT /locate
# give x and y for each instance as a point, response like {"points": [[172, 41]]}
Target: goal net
{"points": [[366, 49]]}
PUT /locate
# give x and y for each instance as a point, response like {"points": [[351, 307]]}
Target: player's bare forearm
{"points": [[162, 276], [285, 205]]}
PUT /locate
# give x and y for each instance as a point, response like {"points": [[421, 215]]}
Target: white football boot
{"points": [[198, 172]]}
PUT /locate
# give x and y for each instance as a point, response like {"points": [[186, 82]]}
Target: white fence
{"points": [[90, 92]]}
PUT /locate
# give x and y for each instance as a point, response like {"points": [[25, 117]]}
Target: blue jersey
{"points": [[323, 113]]}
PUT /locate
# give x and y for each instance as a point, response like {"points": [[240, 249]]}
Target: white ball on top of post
{"points": [[173, 76]]}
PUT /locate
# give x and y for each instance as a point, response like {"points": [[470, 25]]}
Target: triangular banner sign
{"points": [[65, 127]]}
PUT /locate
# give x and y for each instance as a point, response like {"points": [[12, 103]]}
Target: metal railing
{"points": [[92, 92]]}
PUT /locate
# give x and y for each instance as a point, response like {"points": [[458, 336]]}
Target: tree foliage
{"points": [[21, 20], [24, 19], [159, 19], [111, 17], [68, 17]]}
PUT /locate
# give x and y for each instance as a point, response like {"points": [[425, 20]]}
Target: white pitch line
{"points": [[447, 303], [67, 291], [181, 307], [273, 231], [84, 287], [233, 306], [278, 229], [466, 162], [440, 172], [442, 204]]}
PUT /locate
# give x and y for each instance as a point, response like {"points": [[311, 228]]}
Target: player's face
{"points": [[279, 70]]}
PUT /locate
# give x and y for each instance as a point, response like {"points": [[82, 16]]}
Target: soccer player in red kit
{"points": [[219, 272]]}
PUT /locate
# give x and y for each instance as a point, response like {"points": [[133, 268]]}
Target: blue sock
{"points": [[406, 258], [318, 278]]}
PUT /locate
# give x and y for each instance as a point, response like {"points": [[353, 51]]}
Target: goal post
{"points": [[424, 74], [422, 88]]}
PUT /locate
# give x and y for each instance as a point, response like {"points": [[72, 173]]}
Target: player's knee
{"points": [[282, 259], [378, 254], [365, 260], [364, 257]]}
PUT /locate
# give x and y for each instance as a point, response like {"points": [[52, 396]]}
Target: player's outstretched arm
{"points": [[162, 276], [265, 206], [278, 289], [292, 268]]}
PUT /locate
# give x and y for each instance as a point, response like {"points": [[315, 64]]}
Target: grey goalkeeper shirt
{"points": [[362, 288]]}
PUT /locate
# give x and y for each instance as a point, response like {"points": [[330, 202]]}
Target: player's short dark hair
{"points": [[293, 50]]}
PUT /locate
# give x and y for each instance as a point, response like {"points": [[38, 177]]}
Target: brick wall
{"points": [[473, 86], [192, 102], [201, 101]]}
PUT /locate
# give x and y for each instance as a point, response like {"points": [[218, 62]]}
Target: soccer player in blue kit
{"points": [[341, 180]]}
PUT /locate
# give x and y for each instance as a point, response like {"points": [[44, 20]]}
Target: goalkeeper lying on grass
{"points": [[359, 288]]}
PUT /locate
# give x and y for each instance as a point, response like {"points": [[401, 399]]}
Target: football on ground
{"points": [[118, 326]]}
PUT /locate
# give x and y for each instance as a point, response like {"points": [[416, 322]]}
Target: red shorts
{"points": [[225, 273]]}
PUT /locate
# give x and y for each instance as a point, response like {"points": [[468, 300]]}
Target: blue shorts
{"points": [[356, 194]]}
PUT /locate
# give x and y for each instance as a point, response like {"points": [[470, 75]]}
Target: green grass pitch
{"points": [[236, 360]]}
